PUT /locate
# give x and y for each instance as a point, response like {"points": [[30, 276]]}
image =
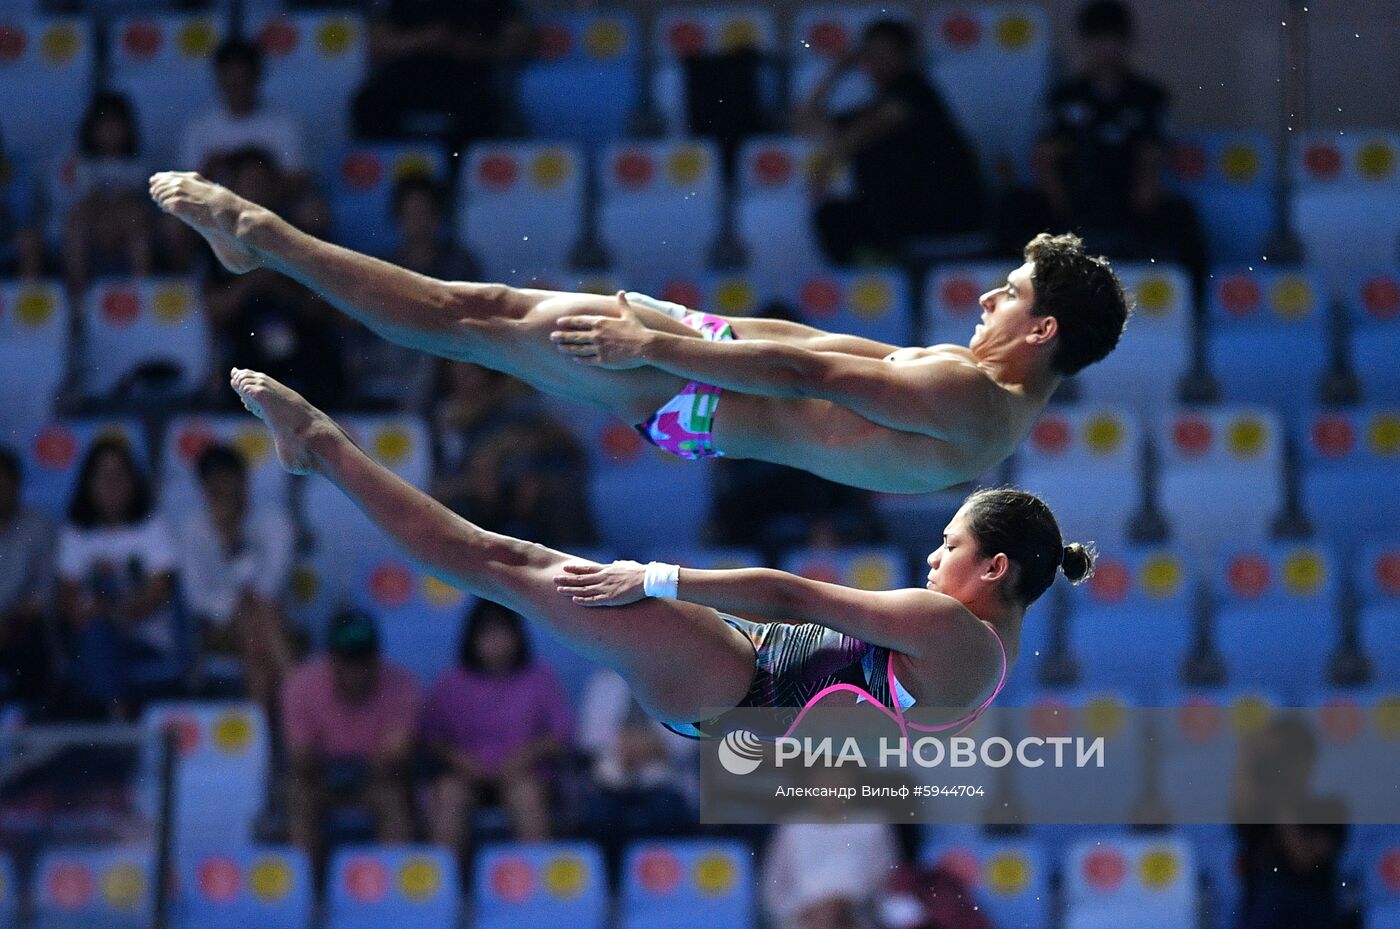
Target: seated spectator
{"points": [[826, 875], [266, 321], [502, 459], [1098, 169], [108, 228], [241, 121], [116, 565], [235, 561], [436, 70], [492, 723], [389, 375], [914, 171], [27, 554], [348, 722], [642, 775]]}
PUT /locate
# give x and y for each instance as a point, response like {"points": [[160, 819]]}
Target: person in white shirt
{"points": [[235, 562], [241, 122], [116, 568], [826, 875]]}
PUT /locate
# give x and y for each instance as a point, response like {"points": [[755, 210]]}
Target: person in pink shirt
{"points": [[349, 721], [493, 722]]}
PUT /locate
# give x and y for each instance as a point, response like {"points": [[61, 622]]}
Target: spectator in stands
{"points": [[1098, 168], [825, 875], [235, 561], [500, 457], [241, 121], [27, 553], [264, 319], [1289, 863], [108, 229], [437, 69], [492, 723], [914, 171], [641, 774], [116, 567], [389, 375], [348, 722]]}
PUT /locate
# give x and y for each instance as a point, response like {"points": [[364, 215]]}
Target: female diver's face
{"points": [[958, 568]]}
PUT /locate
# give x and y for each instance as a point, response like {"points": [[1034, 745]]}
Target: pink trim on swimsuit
{"points": [[897, 713]]}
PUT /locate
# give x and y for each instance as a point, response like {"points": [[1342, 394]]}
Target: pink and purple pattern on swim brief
{"points": [[684, 426]]}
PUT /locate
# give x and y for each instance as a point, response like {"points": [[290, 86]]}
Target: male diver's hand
{"points": [[613, 342], [615, 584]]}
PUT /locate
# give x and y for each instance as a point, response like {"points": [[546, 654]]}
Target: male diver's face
{"points": [[957, 567], [1006, 314]]}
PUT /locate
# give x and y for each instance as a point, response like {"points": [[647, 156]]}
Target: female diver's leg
{"points": [[682, 661]]}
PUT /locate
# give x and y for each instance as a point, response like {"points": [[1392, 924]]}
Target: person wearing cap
{"points": [[348, 721]]}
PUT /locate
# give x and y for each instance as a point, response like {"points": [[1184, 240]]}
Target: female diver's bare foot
{"points": [[293, 422], [209, 209]]}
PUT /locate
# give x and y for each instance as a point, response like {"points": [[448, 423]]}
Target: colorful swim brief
{"points": [[684, 426]]}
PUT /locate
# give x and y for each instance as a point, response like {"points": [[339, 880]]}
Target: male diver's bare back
{"points": [[974, 434]]}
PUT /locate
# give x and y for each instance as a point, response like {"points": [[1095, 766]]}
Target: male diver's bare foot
{"points": [[209, 209], [293, 422]]}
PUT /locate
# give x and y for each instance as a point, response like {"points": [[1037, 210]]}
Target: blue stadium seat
{"points": [[1381, 880], [34, 327], [1230, 177], [520, 210], [1372, 303], [1133, 624], [989, 60], [1379, 622], [585, 80], [401, 444], [1267, 334], [1010, 877], [687, 885], [1206, 726], [1221, 476], [314, 63], [951, 293], [1350, 459], [681, 553], [128, 324], [224, 763], [10, 892], [52, 454], [362, 181], [1066, 794], [235, 887], [187, 437], [650, 500], [659, 208], [862, 568], [872, 304], [1350, 728], [1146, 369], [420, 617], [554, 885], [718, 292], [48, 59], [823, 35], [1346, 202], [81, 887], [679, 33], [371, 887], [773, 210], [1276, 624], [1141, 881], [165, 64], [22, 194], [1086, 464]]}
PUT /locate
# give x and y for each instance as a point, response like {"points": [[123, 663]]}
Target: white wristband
{"points": [[661, 580]]}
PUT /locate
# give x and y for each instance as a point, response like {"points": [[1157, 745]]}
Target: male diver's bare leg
{"points": [[681, 660], [501, 327]]}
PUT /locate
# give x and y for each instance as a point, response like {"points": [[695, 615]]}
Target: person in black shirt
{"points": [[914, 171], [435, 69], [1098, 167]]}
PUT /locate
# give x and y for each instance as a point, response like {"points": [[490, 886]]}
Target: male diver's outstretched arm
{"points": [[909, 621]]}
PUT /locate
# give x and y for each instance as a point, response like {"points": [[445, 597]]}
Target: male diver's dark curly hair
{"points": [[1083, 294]]}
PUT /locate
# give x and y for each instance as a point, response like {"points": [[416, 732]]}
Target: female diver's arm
{"points": [[910, 621]]}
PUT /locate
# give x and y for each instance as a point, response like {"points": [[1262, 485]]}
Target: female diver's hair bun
{"points": [[1077, 561]]}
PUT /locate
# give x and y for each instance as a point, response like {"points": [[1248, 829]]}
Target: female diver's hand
{"points": [[615, 584]]}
